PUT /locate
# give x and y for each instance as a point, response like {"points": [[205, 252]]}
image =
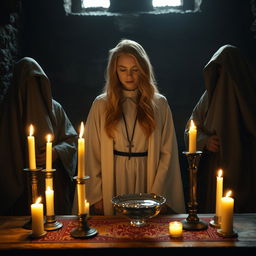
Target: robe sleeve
{"points": [[168, 176], [66, 140], [198, 116], [93, 154]]}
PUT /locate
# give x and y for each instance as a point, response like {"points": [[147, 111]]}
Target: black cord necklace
{"points": [[130, 145]]}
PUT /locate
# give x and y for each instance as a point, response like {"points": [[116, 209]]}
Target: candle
{"points": [[81, 198], [49, 195], [81, 153], [227, 206], [175, 229], [219, 192], [31, 149], [192, 137], [87, 207], [48, 153], [37, 213]]}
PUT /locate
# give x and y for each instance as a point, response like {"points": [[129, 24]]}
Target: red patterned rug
{"points": [[119, 230]]}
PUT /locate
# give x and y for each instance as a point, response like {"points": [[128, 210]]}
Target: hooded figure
{"points": [[29, 101], [225, 117]]}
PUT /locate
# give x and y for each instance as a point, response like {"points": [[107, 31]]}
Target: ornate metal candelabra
{"points": [[32, 190], [192, 222], [82, 230], [51, 222]]}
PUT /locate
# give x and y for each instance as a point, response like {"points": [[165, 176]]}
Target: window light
{"points": [[163, 3], [95, 3]]}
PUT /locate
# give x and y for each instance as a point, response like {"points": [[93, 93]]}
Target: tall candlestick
{"points": [[219, 192], [227, 206], [37, 213], [49, 195], [192, 137], [81, 153], [48, 153], [31, 149]]}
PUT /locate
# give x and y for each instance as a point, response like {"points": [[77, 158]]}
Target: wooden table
{"points": [[13, 241]]}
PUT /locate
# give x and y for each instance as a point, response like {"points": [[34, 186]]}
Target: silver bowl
{"points": [[138, 207]]}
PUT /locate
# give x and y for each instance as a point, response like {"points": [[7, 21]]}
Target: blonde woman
{"points": [[130, 135]]}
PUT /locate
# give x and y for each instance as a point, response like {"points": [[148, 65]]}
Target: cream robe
{"points": [[163, 169]]}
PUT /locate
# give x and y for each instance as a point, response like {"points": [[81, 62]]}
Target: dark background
{"points": [[73, 48]]}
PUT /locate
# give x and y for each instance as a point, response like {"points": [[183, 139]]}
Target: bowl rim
{"points": [[124, 197]]}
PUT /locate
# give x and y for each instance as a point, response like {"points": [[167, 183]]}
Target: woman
{"points": [[131, 140]]}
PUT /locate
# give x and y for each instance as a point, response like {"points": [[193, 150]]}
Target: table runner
{"points": [[117, 229]]}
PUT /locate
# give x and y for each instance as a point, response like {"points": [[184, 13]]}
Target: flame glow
{"points": [[81, 130], [228, 194], [31, 130], [38, 200]]}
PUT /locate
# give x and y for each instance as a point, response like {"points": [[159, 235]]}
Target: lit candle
{"points": [[227, 206], [49, 153], [81, 153], [49, 195], [37, 213], [87, 207], [192, 137], [175, 229], [219, 192], [81, 198], [31, 149]]}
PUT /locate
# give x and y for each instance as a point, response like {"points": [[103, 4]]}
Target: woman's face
{"points": [[128, 71]]}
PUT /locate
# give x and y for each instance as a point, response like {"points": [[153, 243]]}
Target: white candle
{"points": [[192, 137], [81, 153], [37, 213], [219, 192], [49, 195], [48, 153], [31, 149], [87, 207], [227, 206], [175, 229]]}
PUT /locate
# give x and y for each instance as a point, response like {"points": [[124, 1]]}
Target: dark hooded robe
{"points": [[227, 109], [29, 101]]}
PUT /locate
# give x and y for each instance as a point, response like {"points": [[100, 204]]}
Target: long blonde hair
{"points": [[146, 87]]}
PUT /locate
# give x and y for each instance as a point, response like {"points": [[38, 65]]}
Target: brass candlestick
{"points": [[32, 190], [192, 222], [82, 230], [51, 222]]}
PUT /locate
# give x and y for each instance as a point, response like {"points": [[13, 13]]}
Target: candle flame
{"points": [[192, 125], [31, 130], [38, 200], [81, 130], [228, 194], [49, 137], [220, 173]]}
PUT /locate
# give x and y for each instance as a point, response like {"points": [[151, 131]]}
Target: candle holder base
{"points": [[33, 236], [215, 222], [52, 224], [194, 225], [233, 234], [83, 230]]}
